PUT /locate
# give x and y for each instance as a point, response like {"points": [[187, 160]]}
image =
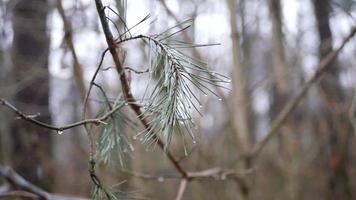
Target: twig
{"points": [[96, 121], [292, 104], [27, 189], [182, 187], [128, 68], [17, 181], [136, 71], [212, 173], [149, 176], [218, 173], [77, 67], [125, 85], [18, 194]]}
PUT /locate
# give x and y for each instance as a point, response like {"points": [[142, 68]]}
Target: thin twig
{"points": [[145, 176], [212, 174], [96, 121], [292, 103], [19, 183], [18, 194], [182, 187], [218, 173], [136, 71]]}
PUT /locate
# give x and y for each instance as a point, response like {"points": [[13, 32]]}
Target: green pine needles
{"points": [[114, 144], [173, 90], [177, 80]]}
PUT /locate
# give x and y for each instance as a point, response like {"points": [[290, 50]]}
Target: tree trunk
{"points": [[239, 111], [335, 117], [29, 57]]}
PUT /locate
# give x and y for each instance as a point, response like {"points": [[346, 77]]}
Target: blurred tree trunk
{"points": [[281, 87], [280, 81], [240, 107], [279, 66], [68, 151], [29, 57], [335, 117], [247, 40]]}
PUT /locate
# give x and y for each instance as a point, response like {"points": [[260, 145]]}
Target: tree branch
{"points": [[182, 187], [125, 85], [96, 121], [292, 104], [27, 189]]}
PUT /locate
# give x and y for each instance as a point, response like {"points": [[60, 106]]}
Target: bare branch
{"points": [[218, 173], [96, 121], [292, 103], [182, 187], [28, 190]]}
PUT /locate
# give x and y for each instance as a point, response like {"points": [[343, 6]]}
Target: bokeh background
{"points": [[269, 49]]}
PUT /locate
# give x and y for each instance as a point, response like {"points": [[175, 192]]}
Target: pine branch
{"points": [[124, 83]]}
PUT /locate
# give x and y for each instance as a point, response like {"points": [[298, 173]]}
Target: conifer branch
{"points": [[124, 83]]}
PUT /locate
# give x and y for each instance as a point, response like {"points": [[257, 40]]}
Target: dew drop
{"points": [[205, 95], [160, 179], [228, 81], [220, 99], [194, 141], [134, 137], [200, 106], [60, 132], [126, 104]]}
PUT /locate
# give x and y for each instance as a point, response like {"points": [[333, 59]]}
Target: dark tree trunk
{"points": [[335, 112], [29, 57]]}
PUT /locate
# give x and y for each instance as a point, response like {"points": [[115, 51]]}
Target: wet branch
{"points": [[125, 84], [95, 121]]}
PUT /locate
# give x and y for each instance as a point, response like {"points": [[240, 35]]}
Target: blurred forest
{"points": [[272, 115]]}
